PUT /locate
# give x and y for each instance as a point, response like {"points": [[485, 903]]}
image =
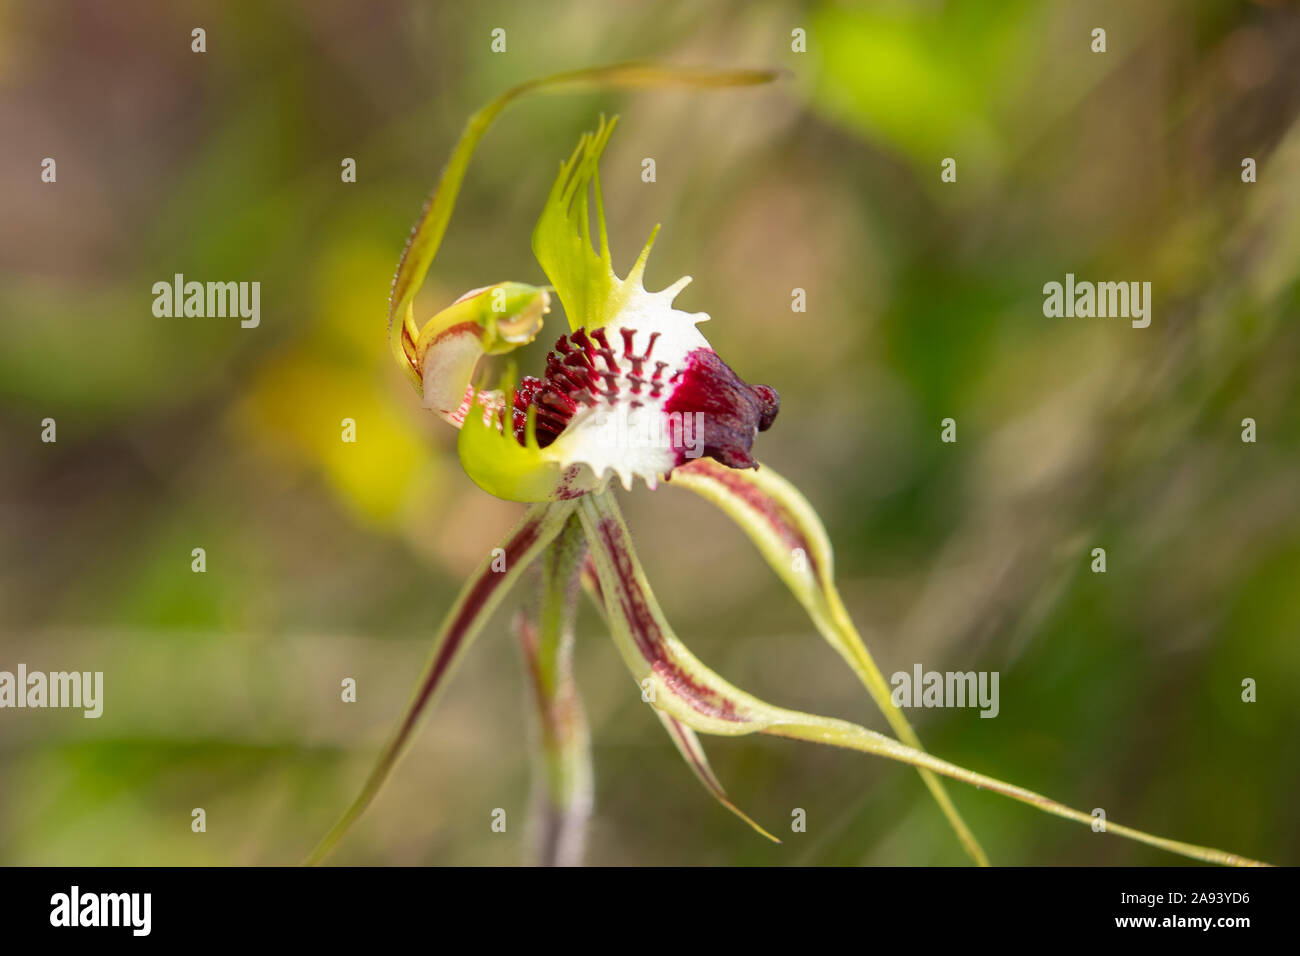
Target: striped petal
{"points": [[791, 537], [688, 745], [680, 684], [478, 598], [684, 739]]}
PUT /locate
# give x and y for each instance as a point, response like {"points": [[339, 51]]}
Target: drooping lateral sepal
{"points": [[684, 738], [478, 598], [680, 684], [791, 537], [688, 745]]}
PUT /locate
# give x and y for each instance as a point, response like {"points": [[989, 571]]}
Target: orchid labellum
{"points": [[632, 390]]}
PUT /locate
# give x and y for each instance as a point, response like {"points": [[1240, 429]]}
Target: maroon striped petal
{"points": [[684, 739], [477, 600], [789, 534]]}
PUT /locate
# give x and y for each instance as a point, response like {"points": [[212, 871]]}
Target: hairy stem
{"points": [[562, 790]]}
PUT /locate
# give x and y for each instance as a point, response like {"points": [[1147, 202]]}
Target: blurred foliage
{"points": [[328, 560]]}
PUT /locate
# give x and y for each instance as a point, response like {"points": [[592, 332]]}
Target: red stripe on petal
{"points": [[762, 504], [649, 637], [487, 584]]}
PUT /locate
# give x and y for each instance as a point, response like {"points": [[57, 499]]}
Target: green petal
{"points": [[582, 276], [686, 689], [791, 537], [427, 235], [692, 751], [494, 459]]}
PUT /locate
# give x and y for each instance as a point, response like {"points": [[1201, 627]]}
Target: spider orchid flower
{"points": [[632, 390]]}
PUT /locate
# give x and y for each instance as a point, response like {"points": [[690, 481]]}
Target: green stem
{"points": [[562, 792]]}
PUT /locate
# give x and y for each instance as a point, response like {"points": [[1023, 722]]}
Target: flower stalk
{"points": [[562, 774]]}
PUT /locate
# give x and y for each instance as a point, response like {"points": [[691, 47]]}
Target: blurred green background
{"points": [[327, 560]]}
